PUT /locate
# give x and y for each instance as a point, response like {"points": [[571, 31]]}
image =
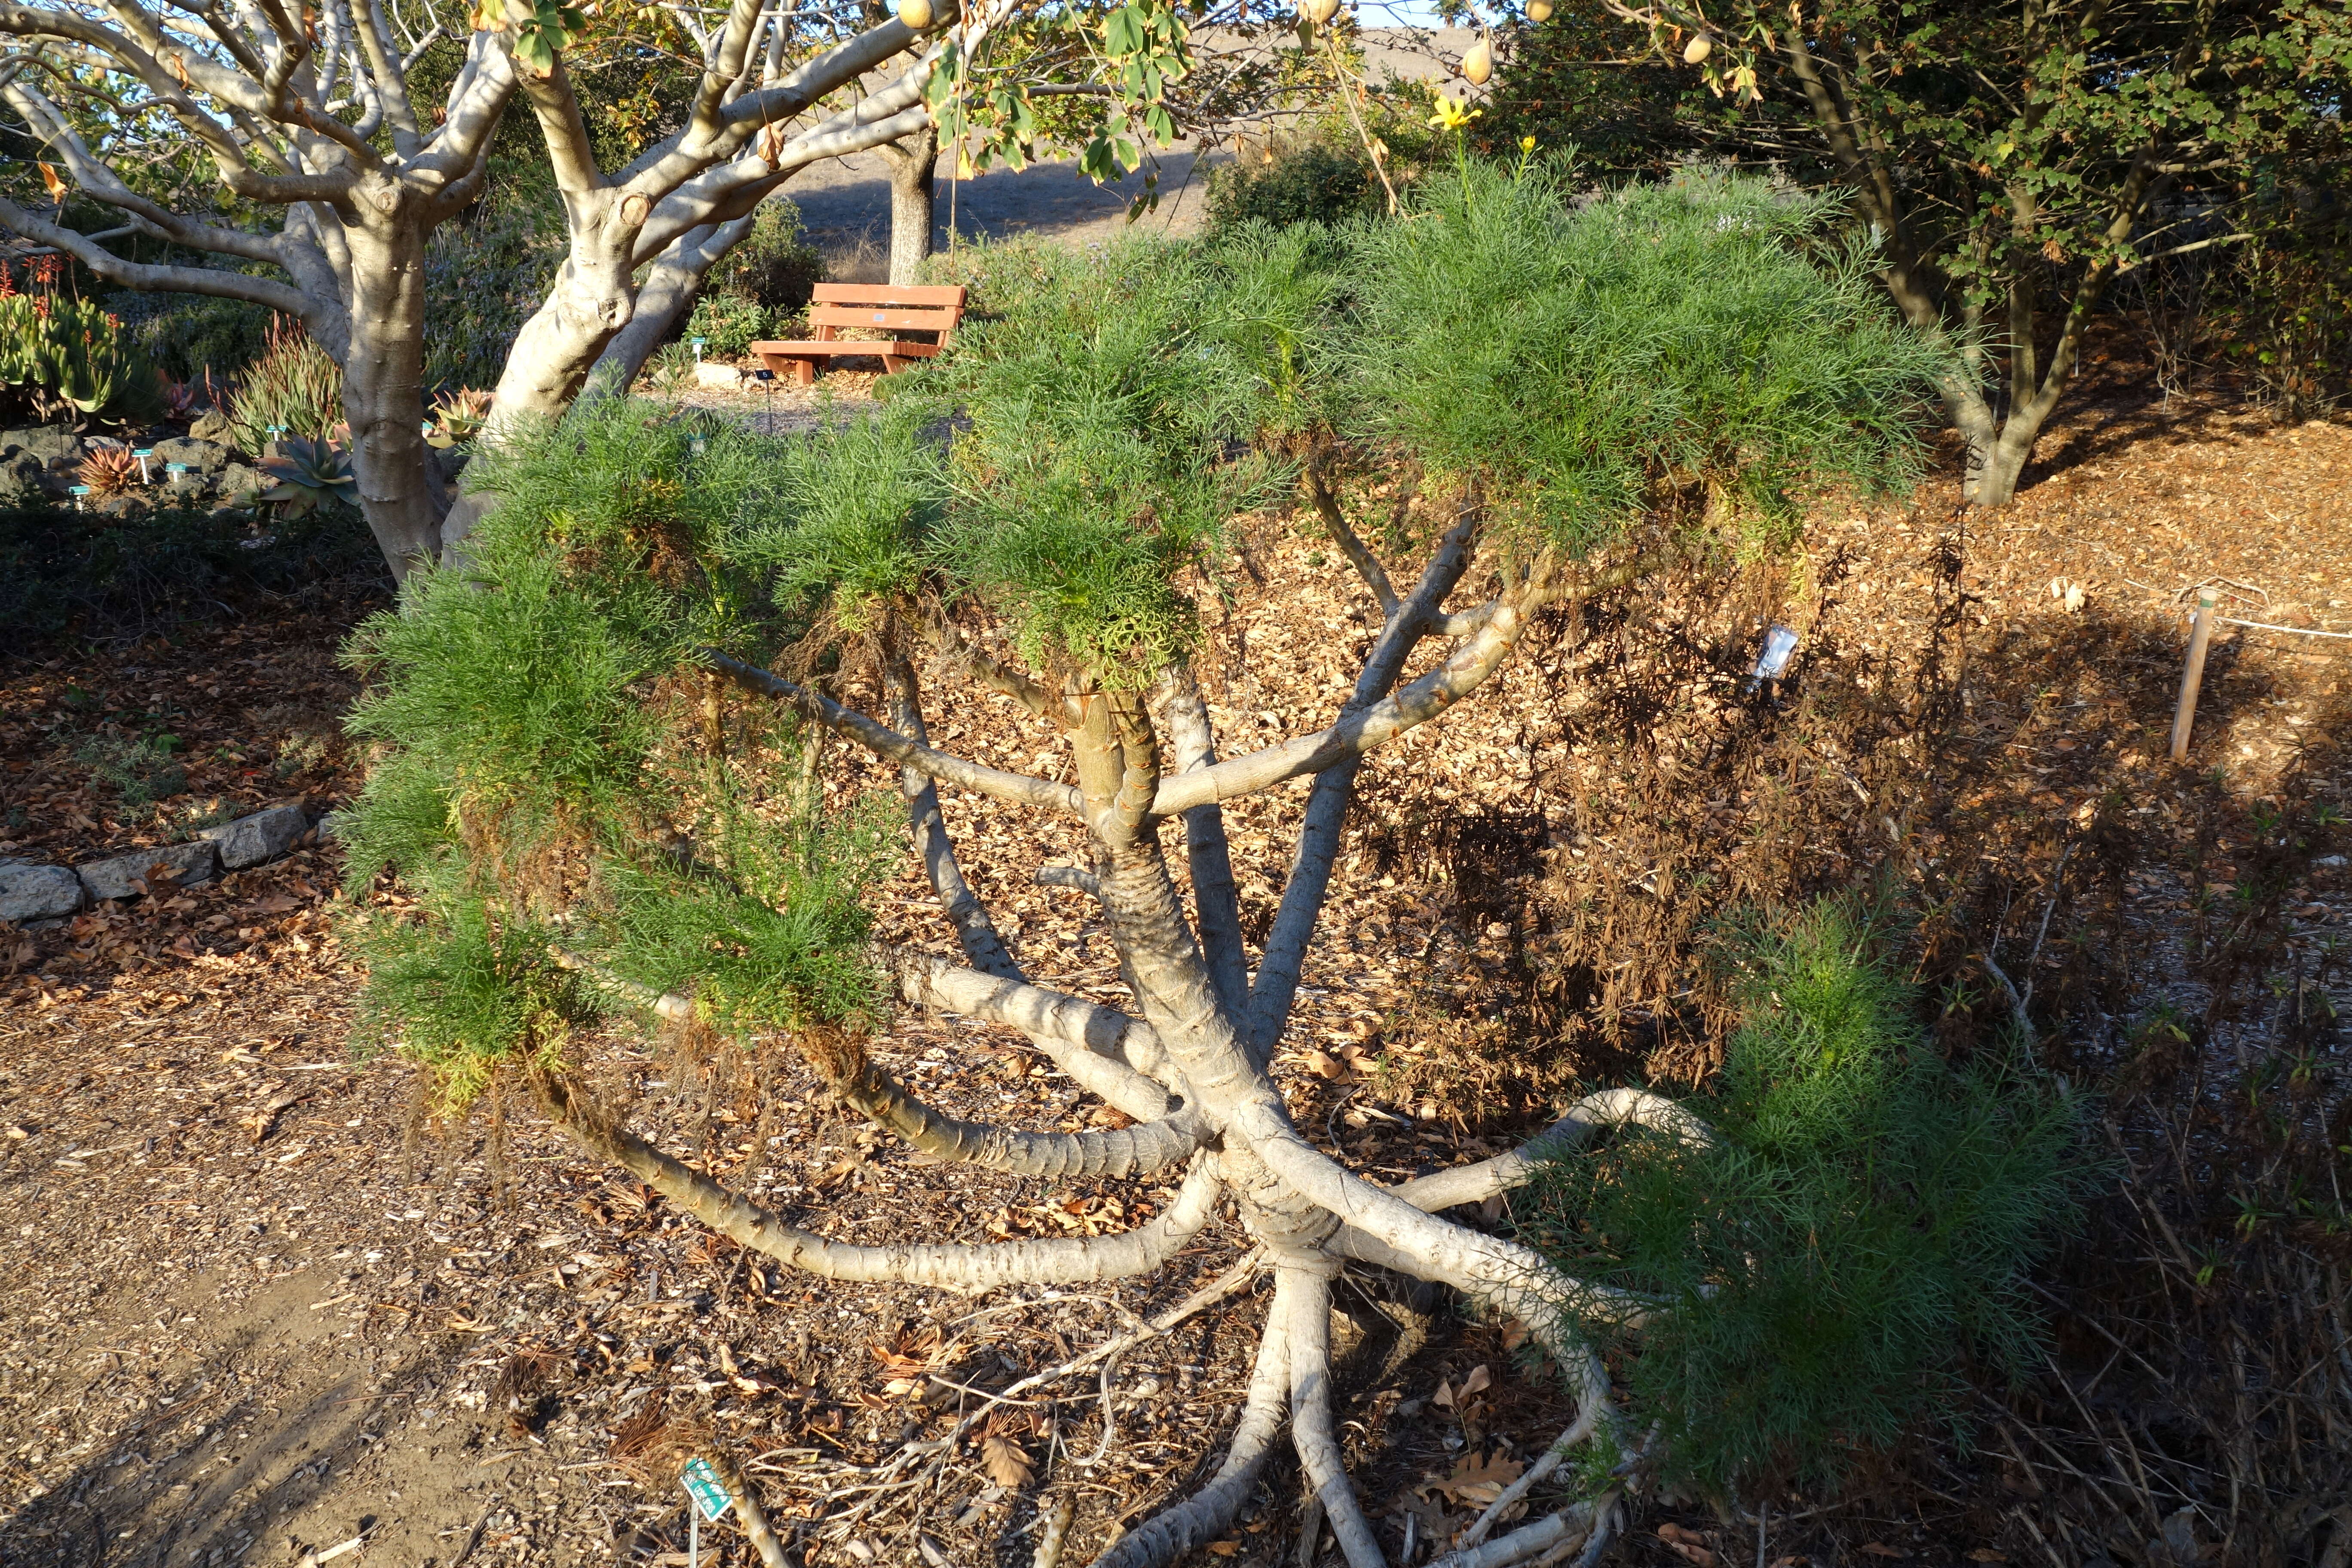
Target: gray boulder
{"points": [[125, 875], [201, 456], [46, 442], [30, 893], [213, 427], [263, 836], [20, 478], [240, 484]]}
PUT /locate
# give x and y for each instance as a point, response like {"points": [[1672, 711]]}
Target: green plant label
{"points": [[709, 1492]]}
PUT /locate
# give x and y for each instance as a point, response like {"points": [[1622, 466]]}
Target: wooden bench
{"points": [[874, 306]]}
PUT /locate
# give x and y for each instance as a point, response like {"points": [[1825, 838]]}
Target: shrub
{"points": [[482, 281], [1292, 180], [728, 324], [63, 571], [1856, 1239], [1572, 360], [775, 264], [755, 289], [188, 335], [295, 388]]}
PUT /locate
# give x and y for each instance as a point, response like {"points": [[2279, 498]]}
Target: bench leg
{"points": [[892, 365], [803, 372]]}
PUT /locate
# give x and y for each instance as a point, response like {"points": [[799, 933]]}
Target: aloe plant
{"points": [[457, 418], [109, 470], [308, 474], [295, 387], [66, 353]]}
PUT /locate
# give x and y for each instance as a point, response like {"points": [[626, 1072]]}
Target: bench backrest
{"points": [[919, 309]]}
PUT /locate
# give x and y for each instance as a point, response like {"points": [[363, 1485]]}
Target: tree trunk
{"points": [[664, 300], [592, 300], [383, 392], [913, 164]]}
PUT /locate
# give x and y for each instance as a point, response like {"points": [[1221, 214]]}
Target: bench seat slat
{"points": [[888, 348], [897, 321]]}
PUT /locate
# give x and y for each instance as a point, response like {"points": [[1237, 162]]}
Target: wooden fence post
{"points": [[2192, 675]]}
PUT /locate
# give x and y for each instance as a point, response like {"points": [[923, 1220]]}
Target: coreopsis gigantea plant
{"points": [[602, 775]]}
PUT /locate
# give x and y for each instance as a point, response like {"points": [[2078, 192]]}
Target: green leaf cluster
{"points": [[1565, 358], [75, 351], [1857, 1241], [542, 791], [1072, 470]]}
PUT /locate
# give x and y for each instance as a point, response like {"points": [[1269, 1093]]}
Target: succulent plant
{"points": [[308, 474], [109, 470], [457, 416]]}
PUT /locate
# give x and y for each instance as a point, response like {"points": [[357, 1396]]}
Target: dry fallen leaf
{"points": [[1880, 1549], [1688, 1544], [1007, 1465], [1479, 1480]]}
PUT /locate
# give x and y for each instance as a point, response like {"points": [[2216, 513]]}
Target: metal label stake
{"points": [[710, 1499]]}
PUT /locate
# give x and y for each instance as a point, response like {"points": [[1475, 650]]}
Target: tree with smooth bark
{"points": [[306, 114], [605, 732]]}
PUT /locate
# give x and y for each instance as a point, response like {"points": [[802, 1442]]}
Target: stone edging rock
{"points": [[31, 893]]}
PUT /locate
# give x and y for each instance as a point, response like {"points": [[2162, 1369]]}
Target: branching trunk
{"points": [[1999, 445], [1192, 1068]]}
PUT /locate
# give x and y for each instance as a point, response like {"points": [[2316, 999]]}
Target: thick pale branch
{"points": [[1577, 1522], [997, 676], [1375, 725], [944, 1264], [1106, 1053], [1303, 1302], [1216, 902], [1309, 880], [892, 746], [1594, 1114], [1502, 1275], [1209, 1512], [141, 275], [1122, 1151], [1359, 555]]}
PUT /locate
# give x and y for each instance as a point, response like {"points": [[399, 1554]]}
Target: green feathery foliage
{"points": [[469, 991], [1566, 359], [1857, 1241], [1071, 467], [1114, 401], [540, 786]]}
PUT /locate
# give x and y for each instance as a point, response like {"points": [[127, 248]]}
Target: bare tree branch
{"points": [[1216, 902], [892, 746], [1303, 1302], [1308, 882], [976, 933]]}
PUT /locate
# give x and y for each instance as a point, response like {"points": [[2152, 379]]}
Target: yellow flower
{"points": [[1451, 115], [1526, 144]]}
